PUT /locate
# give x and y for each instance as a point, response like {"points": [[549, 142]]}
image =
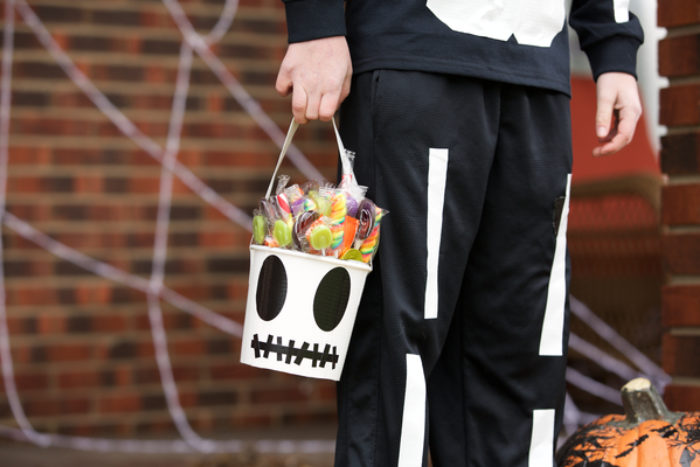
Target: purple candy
{"points": [[352, 206], [365, 216]]}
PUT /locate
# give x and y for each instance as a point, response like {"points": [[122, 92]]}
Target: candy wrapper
{"points": [[320, 219]]}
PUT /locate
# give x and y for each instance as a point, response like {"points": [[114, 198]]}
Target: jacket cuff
{"points": [[314, 19], [617, 53]]}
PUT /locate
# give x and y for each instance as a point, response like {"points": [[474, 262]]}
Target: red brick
{"points": [[278, 395], [252, 420], [679, 56], [680, 154], [680, 355], [50, 324], [47, 406], [120, 403], [78, 379], [680, 105], [681, 204], [681, 253], [682, 397], [681, 305], [100, 343], [31, 381], [678, 12]]}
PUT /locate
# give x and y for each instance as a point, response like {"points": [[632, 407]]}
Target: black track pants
{"points": [[460, 340]]}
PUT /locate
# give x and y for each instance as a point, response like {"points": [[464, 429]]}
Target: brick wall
{"points": [[679, 60], [81, 344]]}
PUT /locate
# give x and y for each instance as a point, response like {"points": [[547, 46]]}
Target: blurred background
{"points": [[137, 136]]}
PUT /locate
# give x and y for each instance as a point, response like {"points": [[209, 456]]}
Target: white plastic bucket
{"points": [[300, 311]]}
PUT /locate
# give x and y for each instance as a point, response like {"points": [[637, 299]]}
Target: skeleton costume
{"points": [[459, 115]]}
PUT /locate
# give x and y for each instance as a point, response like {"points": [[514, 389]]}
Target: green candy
{"points": [[321, 238], [352, 254], [282, 233], [259, 229], [323, 206]]}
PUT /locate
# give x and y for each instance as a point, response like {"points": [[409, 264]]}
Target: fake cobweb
{"points": [[153, 287]]}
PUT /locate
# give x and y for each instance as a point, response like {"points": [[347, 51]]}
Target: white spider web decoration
{"points": [[154, 288]]}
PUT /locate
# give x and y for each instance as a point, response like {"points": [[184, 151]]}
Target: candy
{"points": [[319, 235], [321, 238], [268, 209], [294, 192], [323, 205], [282, 233], [310, 204], [352, 205], [283, 206], [350, 230], [302, 224], [271, 242], [337, 216], [366, 213], [259, 228], [319, 219], [296, 199], [369, 245], [352, 254]]}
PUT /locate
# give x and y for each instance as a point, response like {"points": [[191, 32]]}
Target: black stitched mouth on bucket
{"points": [[289, 352]]}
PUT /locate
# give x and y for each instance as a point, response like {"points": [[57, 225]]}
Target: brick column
{"points": [[679, 60]]}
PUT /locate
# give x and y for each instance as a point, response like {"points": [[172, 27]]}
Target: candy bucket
{"points": [[301, 307], [300, 311]]}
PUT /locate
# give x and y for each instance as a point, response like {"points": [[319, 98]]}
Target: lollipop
{"points": [[370, 213], [366, 214], [338, 212], [309, 204], [353, 254], [296, 198], [282, 233], [352, 205], [283, 206], [323, 205], [319, 235], [284, 210], [260, 228], [369, 245], [302, 224]]}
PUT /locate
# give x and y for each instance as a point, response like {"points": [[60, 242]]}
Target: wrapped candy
{"points": [[369, 245], [337, 218], [282, 233], [368, 230], [366, 214], [260, 227], [319, 219], [301, 226], [319, 235], [295, 195]]}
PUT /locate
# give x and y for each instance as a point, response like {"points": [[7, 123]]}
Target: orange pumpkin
{"points": [[648, 435]]}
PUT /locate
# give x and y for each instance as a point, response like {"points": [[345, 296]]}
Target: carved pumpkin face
{"points": [[647, 436]]}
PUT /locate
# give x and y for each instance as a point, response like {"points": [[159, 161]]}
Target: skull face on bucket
{"points": [[300, 312]]}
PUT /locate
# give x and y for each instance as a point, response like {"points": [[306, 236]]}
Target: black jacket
{"points": [[516, 41]]}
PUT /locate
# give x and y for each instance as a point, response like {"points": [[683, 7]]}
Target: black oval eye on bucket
{"points": [[272, 288], [331, 299]]}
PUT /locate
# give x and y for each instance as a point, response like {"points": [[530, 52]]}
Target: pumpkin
{"points": [[648, 435]]}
